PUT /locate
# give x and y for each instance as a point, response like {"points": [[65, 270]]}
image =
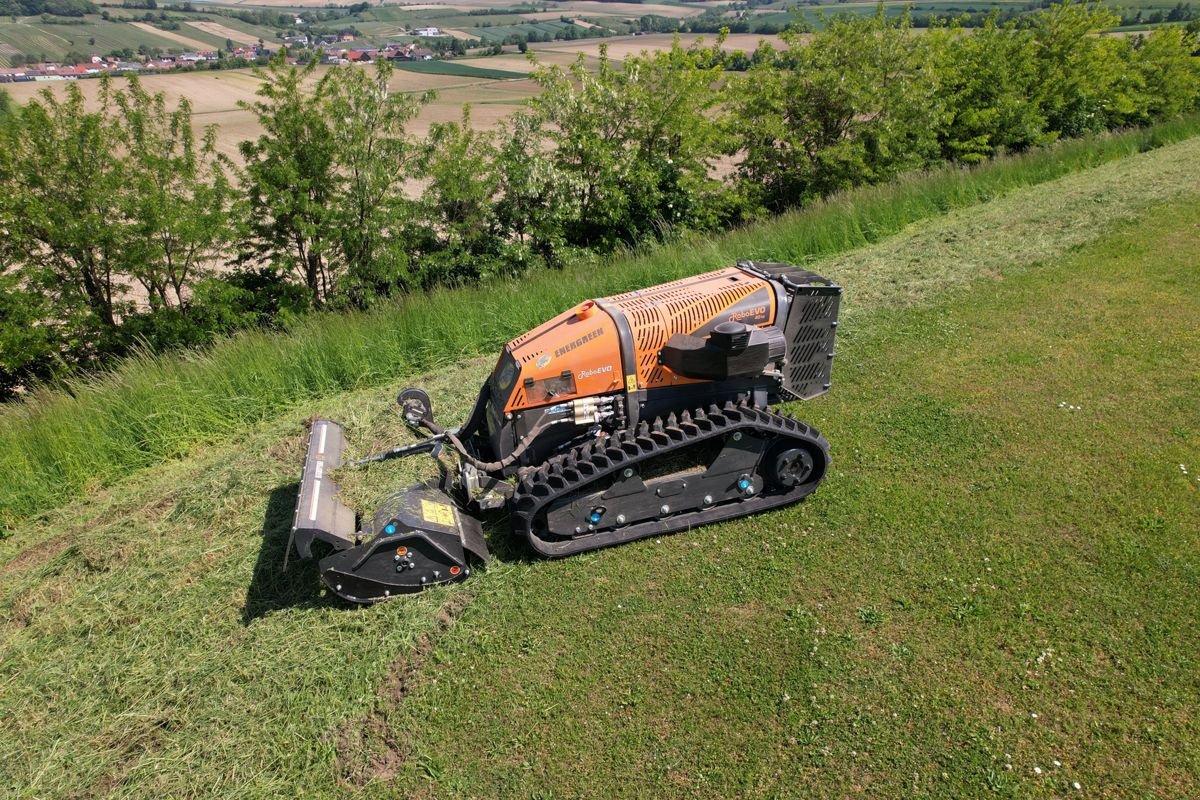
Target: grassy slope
{"points": [[58, 446], [979, 555]]}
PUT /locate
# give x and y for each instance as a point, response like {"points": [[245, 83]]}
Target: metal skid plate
{"points": [[319, 512], [418, 538]]}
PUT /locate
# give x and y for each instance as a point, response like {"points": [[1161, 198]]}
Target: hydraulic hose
{"points": [[493, 466]]}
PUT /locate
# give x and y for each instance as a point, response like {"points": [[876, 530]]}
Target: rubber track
{"points": [[593, 460]]}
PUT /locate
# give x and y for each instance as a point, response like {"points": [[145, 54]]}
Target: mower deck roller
{"points": [[636, 415]]}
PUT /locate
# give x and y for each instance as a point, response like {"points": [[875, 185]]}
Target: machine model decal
{"points": [[588, 373], [759, 313]]}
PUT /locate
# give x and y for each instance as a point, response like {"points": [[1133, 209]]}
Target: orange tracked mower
{"points": [[629, 416]]}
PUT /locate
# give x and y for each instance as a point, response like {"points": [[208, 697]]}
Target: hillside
{"points": [[992, 595]]}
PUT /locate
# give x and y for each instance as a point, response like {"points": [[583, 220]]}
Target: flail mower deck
{"points": [[630, 416]]}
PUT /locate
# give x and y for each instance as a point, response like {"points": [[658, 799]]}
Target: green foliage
{"points": [[987, 78], [289, 177], [325, 180], [854, 105], [863, 98], [130, 217], [28, 348], [1169, 75], [176, 197], [1084, 80], [61, 8], [95, 203], [59, 185], [636, 142], [535, 196], [465, 242]]}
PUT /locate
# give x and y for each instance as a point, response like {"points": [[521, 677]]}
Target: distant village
{"points": [[327, 44]]}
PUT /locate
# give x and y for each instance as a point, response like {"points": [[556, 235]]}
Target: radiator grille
{"points": [[810, 329], [682, 306]]}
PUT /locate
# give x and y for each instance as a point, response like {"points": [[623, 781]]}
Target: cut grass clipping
{"points": [[63, 443], [993, 595]]}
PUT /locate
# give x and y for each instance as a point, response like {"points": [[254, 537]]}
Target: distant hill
{"points": [[60, 8]]}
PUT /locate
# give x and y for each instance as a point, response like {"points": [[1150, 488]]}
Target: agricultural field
{"points": [[495, 86], [378, 25], [992, 595], [215, 95], [35, 38], [30, 36]]}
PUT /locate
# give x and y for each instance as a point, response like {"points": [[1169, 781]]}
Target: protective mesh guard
{"points": [[809, 330]]}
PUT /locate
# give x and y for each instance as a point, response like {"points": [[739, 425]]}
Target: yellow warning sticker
{"points": [[438, 513], [631, 383]]}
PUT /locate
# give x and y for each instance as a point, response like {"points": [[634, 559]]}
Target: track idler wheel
{"points": [[790, 467]]}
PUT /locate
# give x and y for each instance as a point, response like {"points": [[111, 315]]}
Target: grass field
{"points": [[992, 595], [457, 68]]}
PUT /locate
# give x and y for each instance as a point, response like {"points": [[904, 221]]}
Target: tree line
{"points": [[126, 229]]}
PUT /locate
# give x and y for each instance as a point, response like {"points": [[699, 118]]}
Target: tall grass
{"points": [[62, 441]]}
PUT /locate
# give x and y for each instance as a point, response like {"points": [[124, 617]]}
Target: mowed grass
{"points": [[999, 572], [62, 444]]}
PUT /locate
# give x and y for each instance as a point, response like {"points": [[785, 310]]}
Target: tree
{"points": [[373, 155], [28, 346], [535, 198], [59, 185], [636, 140], [856, 104], [289, 178], [324, 180], [988, 81], [1170, 75], [93, 202], [465, 240], [176, 197], [1085, 82]]}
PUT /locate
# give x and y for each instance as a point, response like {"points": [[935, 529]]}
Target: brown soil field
{"points": [[624, 9], [191, 44], [215, 95], [621, 46]]}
